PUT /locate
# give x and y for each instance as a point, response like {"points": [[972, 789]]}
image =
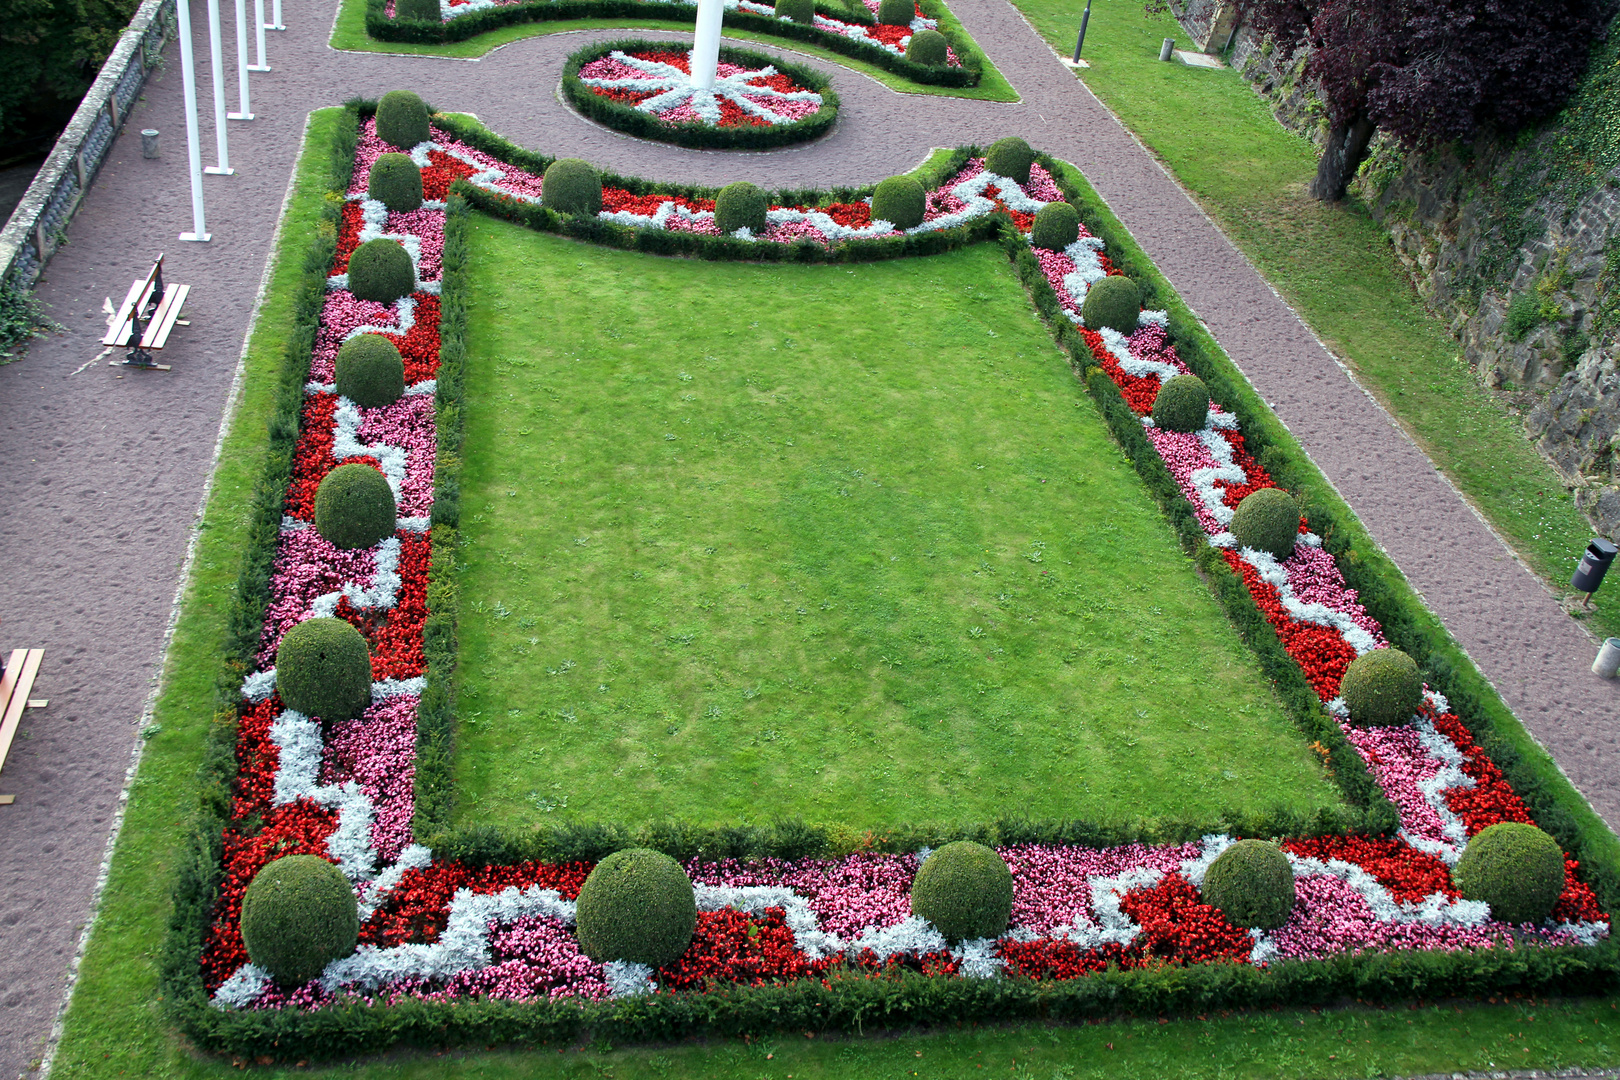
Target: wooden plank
{"points": [[120, 326], [19, 699], [37, 702], [157, 334], [8, 683]]}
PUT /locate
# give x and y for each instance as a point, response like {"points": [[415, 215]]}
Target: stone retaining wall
{"points": [[38, 224]]}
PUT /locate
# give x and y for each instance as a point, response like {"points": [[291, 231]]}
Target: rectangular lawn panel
{"points": [[841, 543]]}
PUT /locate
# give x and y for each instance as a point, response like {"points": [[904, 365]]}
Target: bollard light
{"points": [[1167, 48], [1080, 41], [149, 143], [1607, 663]]}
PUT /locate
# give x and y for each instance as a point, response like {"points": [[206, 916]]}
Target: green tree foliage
{"points": [[50, 51]]}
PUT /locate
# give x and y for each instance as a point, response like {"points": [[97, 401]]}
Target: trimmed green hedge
{"points": [[626, 118], [852, 1003], [430, 32]]}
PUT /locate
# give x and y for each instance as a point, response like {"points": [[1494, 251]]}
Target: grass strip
{"points": [[1335, 266]]}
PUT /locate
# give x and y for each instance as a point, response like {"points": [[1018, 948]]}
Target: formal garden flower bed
{"points": [[853, 30], [472, 919], [645, 88]]}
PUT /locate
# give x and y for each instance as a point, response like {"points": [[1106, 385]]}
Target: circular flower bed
{"points": [[644, 88]]}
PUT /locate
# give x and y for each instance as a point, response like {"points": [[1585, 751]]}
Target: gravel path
{"points": [[105, 470]]}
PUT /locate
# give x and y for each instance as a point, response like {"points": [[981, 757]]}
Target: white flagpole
{"points": [[218, 62], [277, 16], [244, 112], [706, 45], [258, 25], [188, 78]]}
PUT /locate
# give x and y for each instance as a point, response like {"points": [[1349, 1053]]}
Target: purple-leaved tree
{"points": [[1431, 71]]}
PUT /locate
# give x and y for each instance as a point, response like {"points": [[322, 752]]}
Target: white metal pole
{"points": [[218, 61], [243, 111], [188, 78], [277, 16], [706, 45], [258, 27]]}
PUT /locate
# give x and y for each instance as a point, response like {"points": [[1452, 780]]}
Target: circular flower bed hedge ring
{"points": [[645, 88]]}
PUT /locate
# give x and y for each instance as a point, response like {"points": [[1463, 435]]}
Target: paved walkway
{"points": [[105, 471]]}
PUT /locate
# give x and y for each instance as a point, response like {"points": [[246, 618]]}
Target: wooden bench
{"points": [[146, 318], [15, 686]]}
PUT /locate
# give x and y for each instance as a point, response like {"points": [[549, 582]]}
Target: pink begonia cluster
{"points": [[1152, 343], [1183, 453], [1330, 918], [535, 957], [1050, 886], [1315, 579], [341, 314], [377, 750], [408, 424], [848, 895], [308, 566], [428, 227], [1400, 763], [1057, 266]]}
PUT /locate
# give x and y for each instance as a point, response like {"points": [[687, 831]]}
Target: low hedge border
{"points": [[426, 32], [848, 1004], [626, 118]]}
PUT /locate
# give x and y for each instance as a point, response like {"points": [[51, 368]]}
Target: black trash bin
{"points": [[1594, 564]]}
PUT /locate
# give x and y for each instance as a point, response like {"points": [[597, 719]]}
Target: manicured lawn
{"points": [[1334, 265], [847, 544], [349, 33]]}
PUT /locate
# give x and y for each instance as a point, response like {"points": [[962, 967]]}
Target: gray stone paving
{"points": [[104, 474]]}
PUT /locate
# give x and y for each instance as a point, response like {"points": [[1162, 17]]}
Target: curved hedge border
{"points": [[850, 1004], [427, 32], [626, 118]]}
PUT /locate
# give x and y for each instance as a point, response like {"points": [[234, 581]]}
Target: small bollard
{"points": [[1608, 659], [1167, 48], [1594, 564], [149, 143]]}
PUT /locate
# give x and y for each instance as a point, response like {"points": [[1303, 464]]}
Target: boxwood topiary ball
{"points": [[1267, 520], [802, 12], [381, 270], [298, 915], [1182, 404], [1010, 157], [354, 506], [323, 669], [1515, 868], [370, 373], [1252, 883], [636, 905], [965, 890], [396, 182], [740, 205], [1114, 302], [402, 118], [571, 186], [928, 47], [896, 12], [901, 201], [1057, 225], [1382, 687]]}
